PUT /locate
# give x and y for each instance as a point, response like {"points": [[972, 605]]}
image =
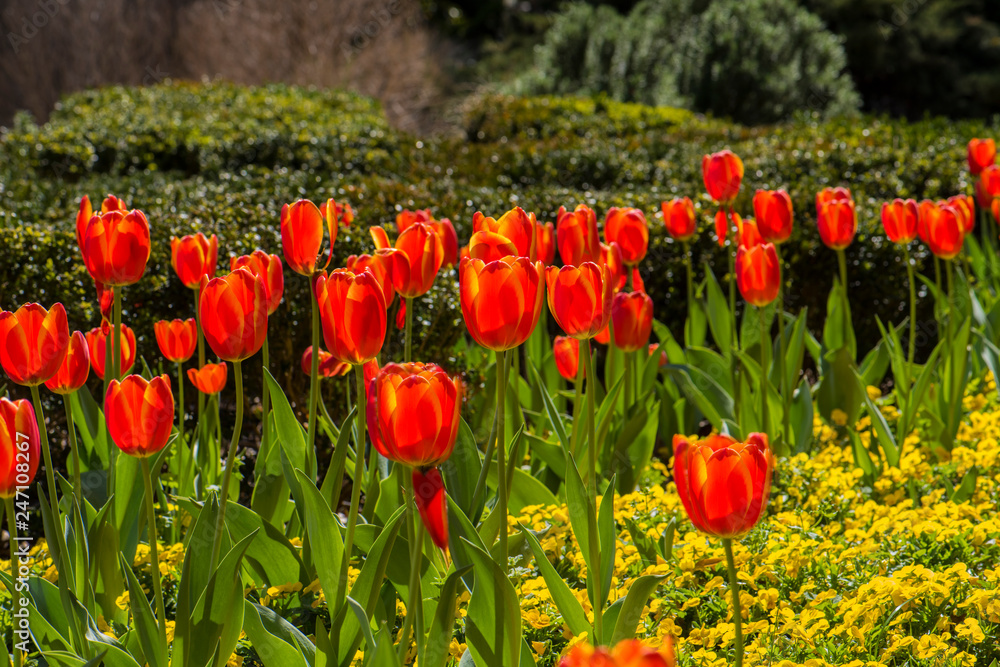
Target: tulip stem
{"points": [[15, 597], [577, 404], [937, 300], [359, 472], [786, 391], [413, 604], [200, 426], [266, 398], [108, 349], [181, 464], [955, 392], [732, 281], [408, 350], [626, 358], [220, 524], [116, 355], [50, 471], [501, 455], [594, 538], [154, 559], [842, 263], [690, 291], [314, 369], [765, 342], [913, 307], [71, 431], [734, 588]]}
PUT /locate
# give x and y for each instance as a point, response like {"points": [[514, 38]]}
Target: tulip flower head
{"points": [[501, 300], [33, 342], [429, 496], [86, 212], [899, 218], [724, 485], [982, 153], [758, 273], [773, 210], [664, 360], [406, 217], [193, 257], [449, 240], [140, 414], [942, 228], [209, 379], [75, 367], [352, 311], [545, 243], [97, 348], [515, 224], [577, 237], [580, 298], [116, 247], [329, 366], [20, 448], [679, 218], [421, 248], [611, 257], [302, 226], [233, 314], [627, 653], [490, 246], [177, 339], [628, 228], [269, 269], [988, 186], [837, 217], [965, 207], [566, 352], [723, 174], [632, 318]]}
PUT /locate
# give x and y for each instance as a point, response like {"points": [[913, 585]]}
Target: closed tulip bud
{"points": [[899, 218], [515, 224], [117, 247], [723, 174], [20, 446], [981, 154], [352, 311], [490, 246], [424, 254], [627, 653], [97, 348], [758, 273], [268, 268], [580, 298], [209, 379], [638, 285], [329, 366], [577, 237], [724, 484], [628, 228], [302, 226], [773, 210], [140, 414], [406, 217], [943, 229], [412, 414], [632, 320], [838, 221], [501, 300], [177, 339], [193, 257], [233, 314], [429, 496], [33, 343], [545, 243], [679, 218], [75, 367], [566, 352]]}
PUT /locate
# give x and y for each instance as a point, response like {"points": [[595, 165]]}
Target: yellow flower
{"points": [[839, 417]]}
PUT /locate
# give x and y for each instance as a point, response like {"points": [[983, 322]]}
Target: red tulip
{"points": [[580, 298], [75, 367], [343, 214], [429, 495], [678, 217], [424, 253], [449, 240], [209, 379], [604, 337], [490, 246], [116, 247], [97, 347], [748, 234], [773, 209], [105, 300], [632, 319], [406, 217], [302, 234], [352, 310], [86, 212], [899, 218], [628, 228], [611, 257], [943, 229], [33, 343], [233, 314], [838, 221], [724, 485], [384, 264], [140, 414], [412, 414], [827, 195], [515, 224], [966, 209], [988, 186], [502, 300], [20, 448], [638, 285], [545, 243], [193, 257], [328, 365], [627, 653], [653, 347], [758, 273], [177, 339], [577, 236], [981, 154], [268, 268], [566, 352], [722, 173]]}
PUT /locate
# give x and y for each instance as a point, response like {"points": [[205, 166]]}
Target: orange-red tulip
{"points": [[758, 273], [722, 173], [566, 352], [638, 285], [86, 212], [20, 446], [545, 243], [838, 221], [580, 298], [628, 228], [75, 367], [515, 224], [412, 414], [269, 269], [604, 337], [116, 247], [140, 414], [449, 240], [429, 496], [210, 378], [827, 195], [981, 154], [302, 234], [343, 214], [352, 310], [105, 300], [942, 229], [501, 300], [97, 347], [627, 653], [678, 217], [965, 208], [385, 263], [611, 257], [490, 246], [33, 342], [406, 217], [193, 257], [328, 365], [664, 360], [424, 254], [748, 234], [632, 320], [988, 186], [773, 210], [177, 339], [899, 218], [233, 314], [723, 484], [577, 237]]}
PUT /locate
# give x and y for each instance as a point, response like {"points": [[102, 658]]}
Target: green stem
{"points": [[952, 322], [220, 524], [108, 351], [627, 361], [501, 456], [413, 604], [200, 426], [266, 399], [842, 263], [577, 405], [690, 285], [765, 342], [734, 588], [408, 350], [50, 471], [74, 450], [937, 302], [314, 369], [15, 597], [181, 464], [359, 472], [594, 537], [786, 391], [154, 558], [913, 307]]}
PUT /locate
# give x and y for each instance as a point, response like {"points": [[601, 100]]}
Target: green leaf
{"points": [[437, 651], [720, 320], [605, 415], [861, 456], [150, 639], [884, 436], [526, 490], [634, 448], [492, 641], [277, 642], [462, 532], [838, 388], [567, 603], [385, 652], [631, 611], [802, 417], [713, 365], [461, 471], [322, 528], [339, 460], [705, 393], [675, 353], [967, 488], [550, 408], [607, 535], [288, 429]]}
